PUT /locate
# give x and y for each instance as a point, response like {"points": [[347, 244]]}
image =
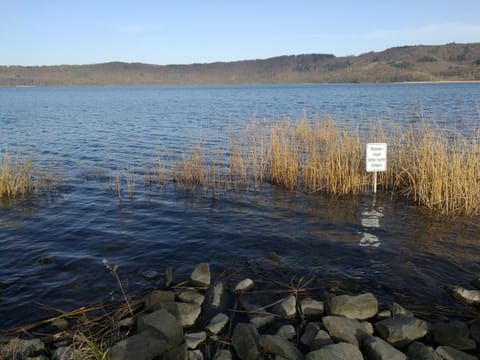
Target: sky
{"points": [[55, 32]]}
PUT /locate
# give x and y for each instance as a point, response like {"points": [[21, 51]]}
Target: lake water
{"points": [[51, 249]]}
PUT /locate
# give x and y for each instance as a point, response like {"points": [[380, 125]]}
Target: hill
{"points": [[450, 62]]}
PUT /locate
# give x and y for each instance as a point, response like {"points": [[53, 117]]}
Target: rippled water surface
{"points": [[51, 249]]}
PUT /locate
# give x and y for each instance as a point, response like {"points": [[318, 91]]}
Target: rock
{"points": [[16, 346], [320, 340], [475, 329], [346, 330], [177, 353], [288, 332], [401, 330], [164, 323], [169, 278], [60, 323], [192, 340], [467, 296], [449, 353], [287, 308], [382, 315], [358, 307], [64, 353], [195, 355], [243, 286], [191, 297], [378, 349], [201, 276], [217, 323], [187, 313], [454, 334], [262, 320], [217, 295], [420, 351], [277, 345], [397, 309], [222, 354], [311, 309], [338, 351], [143, 346], [246, 341], [310, 332], [159, 299]]}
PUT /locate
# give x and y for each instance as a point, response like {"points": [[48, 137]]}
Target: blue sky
{"points": [[49, 32]]}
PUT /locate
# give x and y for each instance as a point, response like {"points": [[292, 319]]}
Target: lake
{"points": [[51, 248]]}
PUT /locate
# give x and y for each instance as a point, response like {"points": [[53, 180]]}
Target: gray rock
{"points": [[246, 341], [464, 295], [64, 353], [340, 351], [378, 349], [201, 276], [262, 320], [244, 286], [346, 330], [192, 340], [311, 309], [177, 353], [311, 330], [420, 351], [222, 354], [320, 340], [21, 348], [60, 323], [358, 307], [217, 323], [164, 323], [187, 313], [217, 295], [143, 346], [398, 309], [449, 353], [454, 334], [169, 278], [195, 355], [401, 330], [279, 346], [287, 308], [288, 332], [475, 329], [191, 297], [382, 315], [159, 299]]}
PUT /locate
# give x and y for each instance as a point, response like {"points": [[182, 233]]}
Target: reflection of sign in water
{"points": [[370, 219]]}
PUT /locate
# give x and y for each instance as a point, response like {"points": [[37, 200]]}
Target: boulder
{"points": [[401, 330], [217, 294], [201, 276], [454, 334], [164, 323], [244, 286], [192, 340], [259, 317], [398, 309], [288, 332], [311, 309], [420, 351], [338, 351], [159, 299], [320, 340], [449, 353], [475, 329], [311, 330], [191, 297], [277, 345], [358, 307], [195, 355], [222, 354], [383, 314], [217, 323], [187, 313], [246, 341], [464, 295], [143, 346], [179, 352], [378, 349], [346, 330], [287, 308]]}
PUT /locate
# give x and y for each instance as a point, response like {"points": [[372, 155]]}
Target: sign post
{"points": [[376, 160]]}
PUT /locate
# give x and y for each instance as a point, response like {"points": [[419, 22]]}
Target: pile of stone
{"points": [[198, 322]]}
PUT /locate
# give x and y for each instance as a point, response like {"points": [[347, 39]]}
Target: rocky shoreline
{"points": [[199, 319]]}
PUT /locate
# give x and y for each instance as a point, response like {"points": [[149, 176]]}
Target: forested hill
{"points": [[449, 62]]}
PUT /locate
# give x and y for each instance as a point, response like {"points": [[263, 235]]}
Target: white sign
{"points": [[376, 157]]}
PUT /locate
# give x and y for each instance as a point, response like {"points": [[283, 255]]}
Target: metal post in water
{"points": [[374, 182]]}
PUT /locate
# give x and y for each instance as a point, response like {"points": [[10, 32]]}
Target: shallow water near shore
{"points": [[51, 248]]}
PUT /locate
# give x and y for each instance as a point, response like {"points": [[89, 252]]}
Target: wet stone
{"points": [[475, 329], [244, 286], [164, 323], [398, 309], [192, 340], [201, 275], [454, 334], [245, 341], [159, 299], [195, 355], [311, 309], [187, 313], [401, 330], [217, 295], [287, 308], [347, 330], [287, 332], [420, 351], [217, 323], [310, 332], [279, 346], [222, 354], [358, 307], [191, 296], [449, 353], [336, 351], [320, 340], [378, 349]]}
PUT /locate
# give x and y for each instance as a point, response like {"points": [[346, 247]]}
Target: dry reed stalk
{"points": [[16, 176]]}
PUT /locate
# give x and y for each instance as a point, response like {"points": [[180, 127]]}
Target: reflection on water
{"points": [[370, 221]]}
